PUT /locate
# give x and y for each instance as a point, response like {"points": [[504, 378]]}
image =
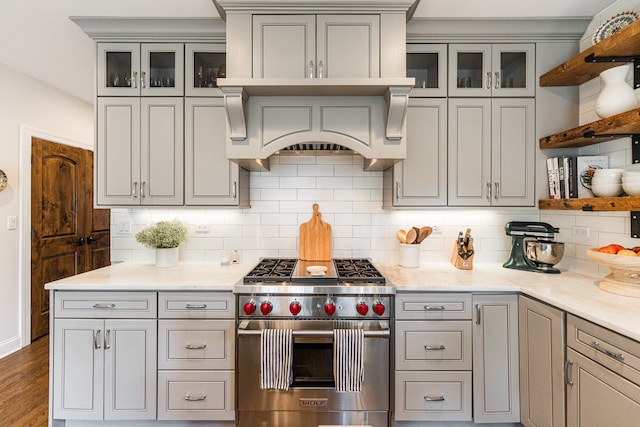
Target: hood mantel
{"points": [[305, 72]]}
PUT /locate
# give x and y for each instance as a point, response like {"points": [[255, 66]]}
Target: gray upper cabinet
{"points": [[491, 152], [140, 151], [492, 70], [135, 69], [204, 64], [427, 63], [210, 179], [316, 46], [421, 179]]}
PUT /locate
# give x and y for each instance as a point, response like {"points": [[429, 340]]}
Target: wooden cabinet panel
{"points": [[433, 345], [210, 179], [542, 344], [421, 179], [495, 359], [196, 395], [196, 344], [433, 396], [598, 397]]}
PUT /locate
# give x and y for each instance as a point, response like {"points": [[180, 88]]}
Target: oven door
{"points": [[313, 386]]}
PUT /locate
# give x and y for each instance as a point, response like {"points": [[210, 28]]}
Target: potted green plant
{"points": [[164, 237]]}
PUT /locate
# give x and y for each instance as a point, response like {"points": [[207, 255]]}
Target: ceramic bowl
{"points": [[605, 181], [631, 174], [631, 188], [606, 190], [608, 173]]}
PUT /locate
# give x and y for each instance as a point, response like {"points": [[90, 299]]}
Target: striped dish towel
{"points": [[348, 364], [276, 350]]}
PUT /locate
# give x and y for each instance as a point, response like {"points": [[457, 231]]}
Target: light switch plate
{"points": [[12, 223]]}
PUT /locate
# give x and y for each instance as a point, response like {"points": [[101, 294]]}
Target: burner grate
{"points": [[358, 269], [272, 269]]}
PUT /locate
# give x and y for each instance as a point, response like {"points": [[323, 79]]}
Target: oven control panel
{"points": [[315, 306]]}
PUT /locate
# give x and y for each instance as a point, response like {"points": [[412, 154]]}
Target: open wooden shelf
{"points": [[623, 203], [576, 71], [618, 126]]}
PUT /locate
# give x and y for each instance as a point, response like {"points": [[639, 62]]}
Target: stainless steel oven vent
{"points": [[315, 148]]}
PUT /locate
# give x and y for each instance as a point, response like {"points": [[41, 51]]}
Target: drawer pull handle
{"points": [[104, 305], [434, 347], [434, 307], [434, 398], [197, 306], [195, 347], [617, 356], [195, 398]]}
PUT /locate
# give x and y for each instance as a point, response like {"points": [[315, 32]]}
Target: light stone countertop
{"points": [[568, 291]]}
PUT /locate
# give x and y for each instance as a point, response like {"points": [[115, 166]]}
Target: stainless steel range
{"points": [[315, 302]]}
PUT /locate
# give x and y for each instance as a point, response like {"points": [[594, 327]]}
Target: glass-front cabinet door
{"points": [[204, 64], [491, 70], [134, 69], [427, 63]]}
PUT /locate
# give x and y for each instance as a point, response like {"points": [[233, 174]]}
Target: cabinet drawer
{"points": [[202, 395], [105, 305], [433, 345], [196, 344], [610, 349], [196, 305], [433, 306], [424, 396]]}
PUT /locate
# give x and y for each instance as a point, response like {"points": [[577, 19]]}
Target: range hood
{"points": [[312, 104]]}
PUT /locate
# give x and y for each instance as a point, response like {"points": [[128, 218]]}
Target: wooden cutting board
{"points": [[315, 238]]}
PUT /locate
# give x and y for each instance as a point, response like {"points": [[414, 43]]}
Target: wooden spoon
{"points": [[412, 235], [402, 236], [424, 233]]}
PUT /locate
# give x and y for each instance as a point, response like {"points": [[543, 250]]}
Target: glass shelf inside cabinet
{"points": [[207, 68], [118, 69], [513, 69], [424, 68], [469, 72], [162, 69]]}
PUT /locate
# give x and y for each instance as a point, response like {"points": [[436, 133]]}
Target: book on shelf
{"points": [[585, 167], [552, 173]]}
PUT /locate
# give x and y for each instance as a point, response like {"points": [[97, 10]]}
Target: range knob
{"points": [[362, 308], [266, 307], [249, 308], [295, 307], [378, 308], [329, 308]]}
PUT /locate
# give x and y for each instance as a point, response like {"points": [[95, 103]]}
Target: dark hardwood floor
{"points": [[24, 386]]}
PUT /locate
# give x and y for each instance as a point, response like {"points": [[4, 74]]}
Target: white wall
{"points": [[350, 201], [29, 103]]}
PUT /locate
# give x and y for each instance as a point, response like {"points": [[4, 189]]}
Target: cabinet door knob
{"points": [[80, 241], [90, 240]]}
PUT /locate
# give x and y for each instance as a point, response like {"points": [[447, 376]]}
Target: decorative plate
{"points": [[3, 180], [615, 24]]}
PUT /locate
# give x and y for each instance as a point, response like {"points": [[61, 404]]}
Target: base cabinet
{"points": [[104, 369], [495, 359], [542, 355], [602, 376]]}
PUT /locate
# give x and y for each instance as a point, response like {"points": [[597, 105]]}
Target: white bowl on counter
{"points": [[608, 173]]}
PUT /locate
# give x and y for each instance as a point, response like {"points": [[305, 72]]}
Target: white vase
{"points": [[616, 96], [167, 257]]}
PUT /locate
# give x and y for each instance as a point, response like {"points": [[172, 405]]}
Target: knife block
{"points": [[459, 262]]}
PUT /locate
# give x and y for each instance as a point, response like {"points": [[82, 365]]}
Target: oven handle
{"points": [[384, 331]]}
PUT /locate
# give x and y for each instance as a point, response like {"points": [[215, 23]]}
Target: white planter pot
{"points": [[167, 257], [616, 96]]}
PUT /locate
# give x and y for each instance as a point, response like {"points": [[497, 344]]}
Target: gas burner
{"points": [[358, 269], [272, 269]]}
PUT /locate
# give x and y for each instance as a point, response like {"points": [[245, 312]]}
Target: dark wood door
{"points": [[68, 236]]}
